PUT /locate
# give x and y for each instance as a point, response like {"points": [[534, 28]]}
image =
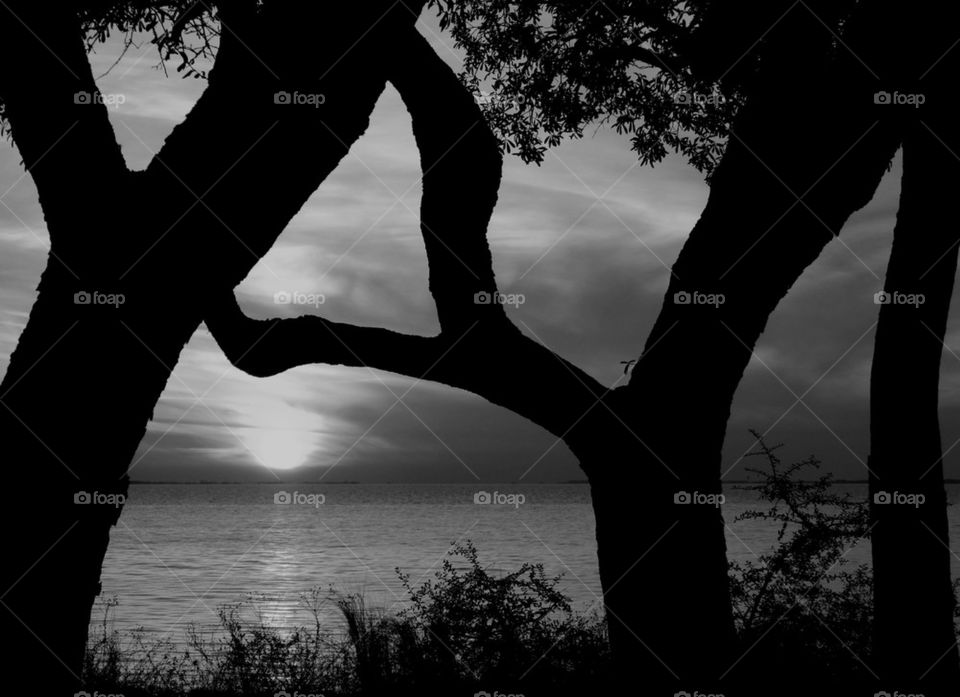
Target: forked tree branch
{"points": [[478, 348]]}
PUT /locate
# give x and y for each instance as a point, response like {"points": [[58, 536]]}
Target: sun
{"points": [[280, 448], [278, 435]]}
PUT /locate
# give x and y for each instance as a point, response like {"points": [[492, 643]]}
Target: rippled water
{"points": [[180, 551]]}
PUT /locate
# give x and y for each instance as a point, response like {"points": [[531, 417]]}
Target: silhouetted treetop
{"points": [[184, 29], [187, 30], [670, 73]]}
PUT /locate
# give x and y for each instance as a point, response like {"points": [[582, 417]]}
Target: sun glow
{"points": [[280, 449], [280, 436]]}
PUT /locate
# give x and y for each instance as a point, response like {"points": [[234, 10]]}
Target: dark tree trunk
{"points": [[805, 153], [77, 396], [663, 573], [795, 170], [84, 379], [915, 641]]}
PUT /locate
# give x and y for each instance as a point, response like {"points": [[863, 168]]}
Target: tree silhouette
{"points": [[84, 378], [913, 594], [784, 84], [806, 147]]}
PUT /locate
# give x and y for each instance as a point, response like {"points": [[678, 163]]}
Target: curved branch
{"points": [[264, 348], [462, 166], [461, 162], [243, 162], [501, 365]]}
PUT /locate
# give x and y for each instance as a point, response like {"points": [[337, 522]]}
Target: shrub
{"points": [[803, 605], [475, 627], [802, 610], [467, 628]]}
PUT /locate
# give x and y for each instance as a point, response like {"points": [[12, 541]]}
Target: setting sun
{"points": [[279, 436], [280, 449]]}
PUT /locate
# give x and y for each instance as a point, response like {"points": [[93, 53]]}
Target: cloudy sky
{"points": [[587, 238]]}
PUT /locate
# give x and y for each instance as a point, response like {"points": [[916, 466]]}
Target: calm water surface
{"points": [[180, 551]]}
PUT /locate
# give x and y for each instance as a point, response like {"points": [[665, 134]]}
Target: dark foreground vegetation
{"points": [[803, 614]]}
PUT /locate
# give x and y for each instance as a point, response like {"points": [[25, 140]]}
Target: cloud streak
{"points": [[587, 238]]}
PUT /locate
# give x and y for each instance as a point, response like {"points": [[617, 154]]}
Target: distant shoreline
{"points": [[569, 481], [313, 481]]}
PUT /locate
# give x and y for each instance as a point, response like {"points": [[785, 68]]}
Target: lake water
{"points": [[180, 550]]}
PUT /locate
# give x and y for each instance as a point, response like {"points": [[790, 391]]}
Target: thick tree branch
{"points": [[494, 362], [234, 173], [462, 165], [57, 118]]}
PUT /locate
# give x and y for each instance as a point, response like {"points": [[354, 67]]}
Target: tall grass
{"points": [[800, 610], [468, 630]]}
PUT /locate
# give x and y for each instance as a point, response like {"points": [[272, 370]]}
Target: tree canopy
{"points": [[670, 73]]}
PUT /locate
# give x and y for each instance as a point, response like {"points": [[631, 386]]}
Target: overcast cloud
{"points": [[587, 238]]}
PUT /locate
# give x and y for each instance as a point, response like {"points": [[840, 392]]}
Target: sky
{"points": [[587, 238]]}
